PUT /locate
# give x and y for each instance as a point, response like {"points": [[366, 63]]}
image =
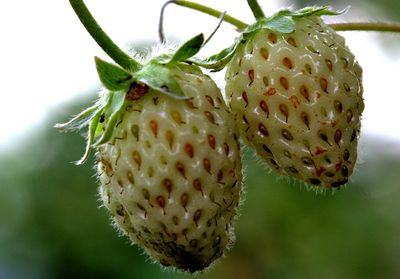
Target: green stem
{"points": [[366, 26], [104, 41], [256, 9], [240, 25]]}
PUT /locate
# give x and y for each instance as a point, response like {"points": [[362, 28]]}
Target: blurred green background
{"points": [[52, 225]]}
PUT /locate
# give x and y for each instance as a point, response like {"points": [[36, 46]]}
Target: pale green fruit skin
{"points": [[297, 100], [175, 196]]}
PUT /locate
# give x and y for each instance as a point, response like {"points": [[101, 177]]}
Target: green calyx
{"points": [[281, 22], [159, 74]]}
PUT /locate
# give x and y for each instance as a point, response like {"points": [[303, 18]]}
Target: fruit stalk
{"points": [[256, 9], [104, 41], [240, 25], [366, 26]]}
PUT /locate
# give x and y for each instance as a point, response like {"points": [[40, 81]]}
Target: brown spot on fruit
{"points": [[175, 220], [135, 131], [264, 107], [292, 170], [305, 118], [285, 111], [189, 150], [246, 100], [304, 92], [211, 141], [272, 38], [287, 63], [250, 74], [265, 81], [345, 62], [190, 104], [181, 168], [308, 68], [226, 149], [167, 184], [220, 175], [184, 200], [137, 158], [349, 115], [323, 82], [329, 174], [338, 106], [329, 64], [346, 87], [107, 166], [319, 151], [338, 183], [284, 83], [345, 171], [263, 130], [169, 135], [154, 127], [291, 41], [295, 101], [129, 175], [287, 154], [338, 136], [346, 155], [353, 136], [270, 92], [286, 135], [322, 135], [264, 53], [210, 116], [207, 165], [314, 181], [338, 166], [196, 216], [161, 202], [197, 185], [320, 171], [210, 100], [266, 149], [176, 116], [307, 161]]}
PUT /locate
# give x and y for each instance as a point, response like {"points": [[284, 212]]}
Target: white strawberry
{"points": [[297, 100], [168, 158], [296, 92]]}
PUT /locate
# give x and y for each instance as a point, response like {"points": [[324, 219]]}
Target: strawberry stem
{"points": [[366, 26], [240, 25], [104, 41], [256, 9]]}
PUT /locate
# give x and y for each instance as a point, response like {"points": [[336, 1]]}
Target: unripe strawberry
{"points": [[168, 158], [171, 174], [297, 98]]}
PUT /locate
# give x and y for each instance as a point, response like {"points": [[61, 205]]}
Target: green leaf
{"points": [[188, 49], [160, 78], [91, 135], [309, 11], [218, 61], [111, 114], [277, 23], [113, 77]]}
